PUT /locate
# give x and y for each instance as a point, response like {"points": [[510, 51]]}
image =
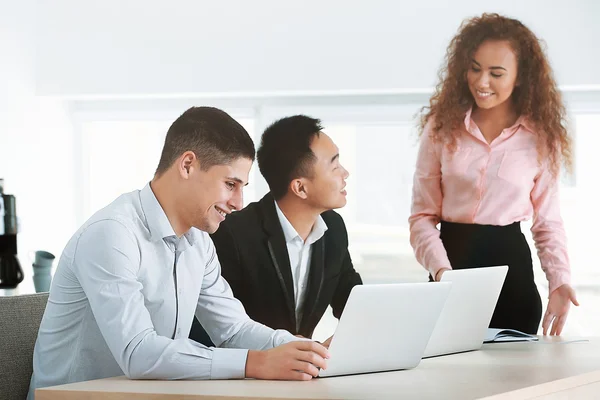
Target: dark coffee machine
{"points": [[11, 273]]}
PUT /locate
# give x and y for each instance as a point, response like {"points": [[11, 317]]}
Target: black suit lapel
{"points": [[279, 254], [315, 280]]}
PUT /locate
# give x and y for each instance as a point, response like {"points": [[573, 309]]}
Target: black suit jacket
{"points": [[254, 259]]}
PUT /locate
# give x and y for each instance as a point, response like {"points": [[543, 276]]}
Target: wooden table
{"points": [[552, 367]]}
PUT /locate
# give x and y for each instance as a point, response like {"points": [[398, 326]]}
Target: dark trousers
{"points": [[472, 246]]}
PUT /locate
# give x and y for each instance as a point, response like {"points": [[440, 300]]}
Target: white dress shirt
{"points": [[123, 299], [299, 252]]}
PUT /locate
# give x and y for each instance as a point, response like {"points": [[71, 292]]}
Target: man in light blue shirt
{"points": [[131, 279]]}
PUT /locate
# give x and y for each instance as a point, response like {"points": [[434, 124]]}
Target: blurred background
{"points": [[88, 90]]}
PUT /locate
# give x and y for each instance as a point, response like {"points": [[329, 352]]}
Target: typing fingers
{"points": [[313, 347], [307, 368], [313, 358], [298, 376]]}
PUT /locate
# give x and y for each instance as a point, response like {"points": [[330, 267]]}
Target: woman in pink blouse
{"points": [[492, 143]]}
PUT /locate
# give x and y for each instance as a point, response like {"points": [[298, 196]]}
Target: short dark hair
{"points": [[211, 133], [284, 153]]}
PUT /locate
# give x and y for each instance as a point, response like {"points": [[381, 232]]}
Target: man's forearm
{"points": [[256, 336]]}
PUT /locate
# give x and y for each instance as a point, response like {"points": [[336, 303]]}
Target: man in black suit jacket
{"points": [[286, 256]]}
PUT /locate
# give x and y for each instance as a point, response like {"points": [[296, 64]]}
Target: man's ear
{"points": [[298, 187], [186, 164]]}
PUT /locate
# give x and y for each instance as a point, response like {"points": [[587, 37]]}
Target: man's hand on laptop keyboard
{"points": [[300, 361]]}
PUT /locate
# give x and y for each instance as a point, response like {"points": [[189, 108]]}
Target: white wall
{"points": [[128, 48], [36, 150], [201, 46]]}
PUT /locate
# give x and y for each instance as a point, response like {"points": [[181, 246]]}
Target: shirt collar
{"points": [[290, 233], [317, 231], [524, 122], [468, 119], [156, 220], [521, 121]]}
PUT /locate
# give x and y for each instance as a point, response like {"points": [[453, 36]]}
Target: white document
{"points": [[507, 335]]}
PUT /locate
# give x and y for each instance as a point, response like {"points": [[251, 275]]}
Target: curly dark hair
{"points": [[538, 99]]}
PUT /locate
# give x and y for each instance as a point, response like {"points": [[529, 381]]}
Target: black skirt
{"points": [[472, 246]]}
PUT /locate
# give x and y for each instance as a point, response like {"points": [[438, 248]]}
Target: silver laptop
{"points": [[464, 321], [385, 327]]}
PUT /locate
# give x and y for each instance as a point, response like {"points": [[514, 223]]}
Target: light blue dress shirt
{"points": [[123, 299]]}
